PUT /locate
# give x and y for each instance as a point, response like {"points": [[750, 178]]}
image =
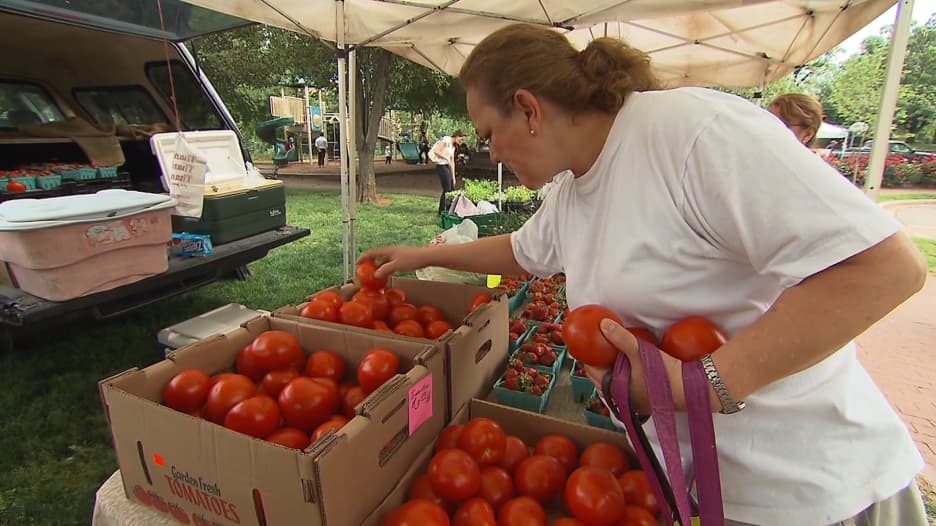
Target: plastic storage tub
{"points": [[62, 248]]}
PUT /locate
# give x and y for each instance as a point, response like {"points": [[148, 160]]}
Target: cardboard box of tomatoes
{"points": [[475, 349], [211, 474]]}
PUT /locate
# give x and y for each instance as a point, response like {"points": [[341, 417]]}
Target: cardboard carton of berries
{"points": [[264, 425]]}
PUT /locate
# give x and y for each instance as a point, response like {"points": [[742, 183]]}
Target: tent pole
{"points": [[895, 60], [342, 139], [500, 186], [352, 149]]}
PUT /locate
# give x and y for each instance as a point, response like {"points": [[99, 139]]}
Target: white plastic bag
{"points": [[464, 232], [463, 207], [187, 178]]}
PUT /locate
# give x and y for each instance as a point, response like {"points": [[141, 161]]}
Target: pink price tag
{"points": [[419, 400]]}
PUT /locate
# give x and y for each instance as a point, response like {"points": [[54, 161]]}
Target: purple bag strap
{"points": [[704, 452]]}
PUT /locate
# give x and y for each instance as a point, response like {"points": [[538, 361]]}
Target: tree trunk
{"points": [[370, 110]]}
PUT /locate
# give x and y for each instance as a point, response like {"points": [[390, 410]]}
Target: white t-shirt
{"points": [[702, 204], [449, 150], [321, 142]]}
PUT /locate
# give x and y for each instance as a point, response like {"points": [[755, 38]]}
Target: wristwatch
{"points": [[729, 405]]}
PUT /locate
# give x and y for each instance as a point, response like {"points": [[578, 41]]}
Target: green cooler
{"points": [[236, 214]]}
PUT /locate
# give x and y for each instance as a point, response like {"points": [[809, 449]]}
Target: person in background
{"points": [[424, 149], [290, 143], [661, 213], [442, 154], [321, 145], [801, 113], [388, 153]]}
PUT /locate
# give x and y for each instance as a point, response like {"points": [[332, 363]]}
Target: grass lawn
{"points": [[902, 197], [55, 441]]}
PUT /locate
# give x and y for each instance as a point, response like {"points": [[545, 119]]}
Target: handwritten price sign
{"points": [[419, 400]]}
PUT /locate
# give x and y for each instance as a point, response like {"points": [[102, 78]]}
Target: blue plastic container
{"points": [[525, 401]]}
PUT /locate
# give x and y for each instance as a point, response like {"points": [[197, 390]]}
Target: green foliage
{"points": [[518, 194], [928, 248], [480, 189]]}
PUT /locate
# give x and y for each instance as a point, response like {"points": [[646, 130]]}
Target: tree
{"points": [[373, 66], [855, 92], [918, 98]]}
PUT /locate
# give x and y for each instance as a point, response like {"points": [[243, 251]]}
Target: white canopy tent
{"points": [[691, 42], [831, 131]]}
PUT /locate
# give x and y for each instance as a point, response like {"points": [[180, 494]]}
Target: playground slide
{"points": [[409, 151]]}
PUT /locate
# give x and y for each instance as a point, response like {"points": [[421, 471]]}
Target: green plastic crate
{"points": [[525, 401], [49, 182], [485, 222], [3, 183], [107, 172], [553, 369], [84, 173], [596, 419], [29, 181], [582, 387]]}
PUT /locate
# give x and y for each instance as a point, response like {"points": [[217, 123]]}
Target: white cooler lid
{"points": [[31, 214], [226, 168]]}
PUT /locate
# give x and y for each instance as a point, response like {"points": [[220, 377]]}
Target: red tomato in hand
{"points": [[692, 338], [454, 475], [356, 314], [225, 394], [417, 512], [306, 403], [329, 296], [364, 275], [320, 310], [560, 447], [594, 496], [514, 453], [437, 329], [187, 391], [521, 511], [637, 491], [497, 485], [484, 440], [605, 455], [581, 330], [479, 299], [257, 416], [637, 516], [377, 366], [325, 364], [474, 512], [540, 477], [410, 328], [275, 381], [289, 437], [352, 397], [374, 299], [274, 350], [448, 438]]}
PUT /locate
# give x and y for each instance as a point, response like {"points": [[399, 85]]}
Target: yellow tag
{"points": [[694, 521], [493, 280]]}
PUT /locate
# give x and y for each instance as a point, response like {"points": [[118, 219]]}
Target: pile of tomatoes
{"points": [[480, 476], [383, 309], [278, 393]]}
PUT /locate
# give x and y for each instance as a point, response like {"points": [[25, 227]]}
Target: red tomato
{"points": [[449, 437], [644, 334], [410, 328], [637, 492], [352, 397], [417, 512], [257, 416], [594, 496], [275, 381], [474, 512], [289, 437], [514, 453], [403, 311], [540, 477], [581, 331], [15, 187], [356, 314], [437, 329], [245, 365], [377, 366], [422, 489], [374, 299], [479, 299], [605, 455], [429, 313], [380, 325], [187, 391], [225, 394], [637, 516], [521, 511], [320, 310], [273, 350], [305, 403], [395, 296], [335, 423], [692, 338], [565, 521], [560, 447], [484, 440], [325, 364], [454, 475], [497, 485], [329, 296], [364, 275]]}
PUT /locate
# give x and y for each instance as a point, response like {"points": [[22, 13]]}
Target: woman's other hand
{"points": [[397, 259]]}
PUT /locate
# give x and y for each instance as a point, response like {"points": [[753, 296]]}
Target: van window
{"points": [[26, 103], [195, 108], [120, 105]]}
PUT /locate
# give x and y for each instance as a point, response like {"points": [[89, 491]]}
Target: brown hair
{"points": [[543, 61], [798, 109]]}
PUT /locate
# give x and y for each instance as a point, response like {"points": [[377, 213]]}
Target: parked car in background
{"points": [[895, 148]]}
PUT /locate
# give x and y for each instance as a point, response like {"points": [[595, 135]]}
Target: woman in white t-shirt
{"points": [[442, 154], [689, 201]]}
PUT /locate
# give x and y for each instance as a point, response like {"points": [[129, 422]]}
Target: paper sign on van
{"points": [[187, 178]]}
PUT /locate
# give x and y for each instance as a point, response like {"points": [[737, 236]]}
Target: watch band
{"points": [[729, 405]]}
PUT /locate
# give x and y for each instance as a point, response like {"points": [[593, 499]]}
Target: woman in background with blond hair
{"points": [[801, 113], [682, 202]]}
